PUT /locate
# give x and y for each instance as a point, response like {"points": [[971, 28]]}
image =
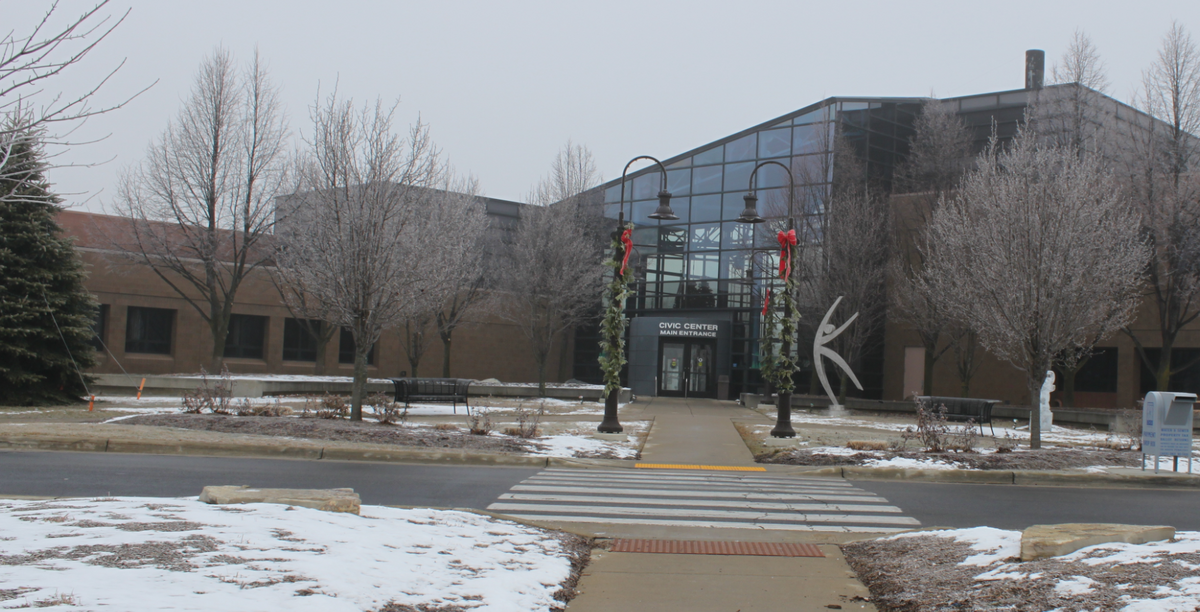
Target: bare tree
{"points": [[469, 300], [377, 232], [1038, 253], [1073, 113], [201, 205], [554, 274], [416, 339], [939, 154], [29, 62], [1167, 195]]}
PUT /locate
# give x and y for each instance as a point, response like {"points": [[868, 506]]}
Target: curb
{"points": [[230, 449], [1019, 477]]}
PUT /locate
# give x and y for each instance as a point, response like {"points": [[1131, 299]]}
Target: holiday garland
{"points": [[612, 326], [776, 366]]}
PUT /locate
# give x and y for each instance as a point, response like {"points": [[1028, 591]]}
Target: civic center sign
{"points": [[688, 330]]}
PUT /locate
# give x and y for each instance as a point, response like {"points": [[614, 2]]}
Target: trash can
{"points": [[723, 387]]}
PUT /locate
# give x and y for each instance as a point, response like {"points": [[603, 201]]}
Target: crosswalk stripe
{"points": [[747, 494], [668, 486], [714, 514], [706, 524], [700, 500], [824, 482], [649, 501]]}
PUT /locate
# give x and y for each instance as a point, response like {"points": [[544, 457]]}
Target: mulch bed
{"points": [[1041, 459], [921, 574], [334, 430]]}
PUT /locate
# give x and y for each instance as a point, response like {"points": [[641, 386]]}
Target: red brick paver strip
{"points": [[690, 547]]}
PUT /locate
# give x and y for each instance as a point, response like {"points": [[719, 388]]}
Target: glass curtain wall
{"points": [[706, 262]]}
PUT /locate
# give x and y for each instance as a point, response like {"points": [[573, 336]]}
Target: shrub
{"points": [[333, 407], [386, 411], [446, 427], [936, 436], [247, 408], [480, 423], [868, 445], [213, 395], [527, 422]]}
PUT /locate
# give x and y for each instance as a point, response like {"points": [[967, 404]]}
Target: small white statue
{"points": [[825, 333], [1047, 417]]}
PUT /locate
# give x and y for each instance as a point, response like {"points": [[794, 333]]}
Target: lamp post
{"points": [[783, 366], [612, 354]]}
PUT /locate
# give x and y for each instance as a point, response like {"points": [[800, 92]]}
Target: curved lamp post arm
{"points": [[664, 211], [750, 214]]}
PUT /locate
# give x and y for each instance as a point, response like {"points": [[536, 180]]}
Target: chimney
{"points": [[1035, 69]]}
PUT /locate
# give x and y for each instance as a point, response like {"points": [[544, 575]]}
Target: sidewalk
{"points": [[701, 432]]}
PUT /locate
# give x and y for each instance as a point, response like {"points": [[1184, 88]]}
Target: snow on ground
{"points": [[284, 377], [181, 554], [1164, 465], [993, 548], [579, 441]]}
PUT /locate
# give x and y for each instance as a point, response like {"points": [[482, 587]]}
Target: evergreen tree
{"points": [[46, 314]]}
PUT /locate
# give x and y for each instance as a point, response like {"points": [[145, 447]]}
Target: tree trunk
{"points": [[541, 369], [843, 384], [1068, 386], [927, 383], [360, 383], [446, 356], [1162, 378], [322, 347], [220, 332], [1035, 410], [965, 387]]}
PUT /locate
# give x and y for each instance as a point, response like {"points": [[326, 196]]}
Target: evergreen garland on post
{"points": [[776, 367], [612, 326], [46, 315]]}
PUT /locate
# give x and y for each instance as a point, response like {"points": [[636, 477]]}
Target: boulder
{"points": [[330, 500], [1044, 541]]}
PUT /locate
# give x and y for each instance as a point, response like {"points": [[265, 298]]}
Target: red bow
{"points": [[625, 240], [766, 301], [786, 240]]}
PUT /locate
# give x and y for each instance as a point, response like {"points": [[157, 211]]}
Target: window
{"points": [[346, 348], [99, 327], [246, 337], [299, 343], [149, 330]]}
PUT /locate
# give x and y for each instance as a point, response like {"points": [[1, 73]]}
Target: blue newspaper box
{"points": [[1167, 426]]}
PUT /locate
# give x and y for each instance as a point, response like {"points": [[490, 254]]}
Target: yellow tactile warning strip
{"points": [[682, 466], [687, 547]]}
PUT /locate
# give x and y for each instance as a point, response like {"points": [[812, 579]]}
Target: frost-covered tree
{"points": [[46, 315], [201, 205], [554, 274], [1073, 114], [939, 154], [378, 232], [1039, 253], [1165, 192]]}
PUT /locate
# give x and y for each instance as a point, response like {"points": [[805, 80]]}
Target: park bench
{"points": [[962, 409], [433, 390]]}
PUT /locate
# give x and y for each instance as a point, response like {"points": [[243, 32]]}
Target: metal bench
{"points": [[962, 409], [433, 390]]}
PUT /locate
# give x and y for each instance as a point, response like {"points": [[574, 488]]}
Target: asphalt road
{"points": [[933, 504], [100, 474]]}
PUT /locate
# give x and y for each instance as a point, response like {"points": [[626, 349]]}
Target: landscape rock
{"points": [[1044, 541], [329, 500]]}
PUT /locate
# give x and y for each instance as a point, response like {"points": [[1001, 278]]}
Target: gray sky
{"points": [[503, 85]]}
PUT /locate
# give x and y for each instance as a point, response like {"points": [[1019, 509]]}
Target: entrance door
{"points": [[687, 368]]}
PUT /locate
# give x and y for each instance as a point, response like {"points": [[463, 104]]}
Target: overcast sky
{"points": [[504, 85]]}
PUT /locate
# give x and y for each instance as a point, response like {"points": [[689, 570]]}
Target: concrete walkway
{"points": [[693, 431], [701, 432]]}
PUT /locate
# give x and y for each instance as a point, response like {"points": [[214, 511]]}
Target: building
{"points": [[696, 310], [696, 313], [145, 327]]}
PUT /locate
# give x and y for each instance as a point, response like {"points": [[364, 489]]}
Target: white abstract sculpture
{"points": [[825, 333], [1047, 417]]}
